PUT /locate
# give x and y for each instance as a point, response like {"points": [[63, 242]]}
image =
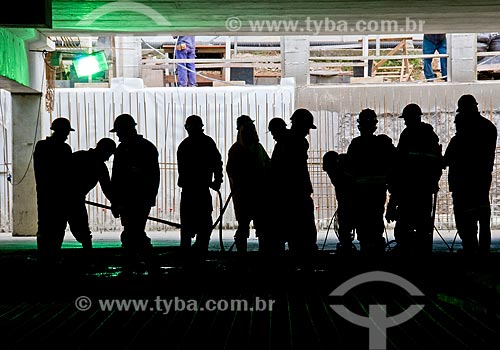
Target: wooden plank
{"points": [[382, 61], [218, 49], [229, 83], [488, 67]]}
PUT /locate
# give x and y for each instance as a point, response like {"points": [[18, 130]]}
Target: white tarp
{"points": [[160, 114]]}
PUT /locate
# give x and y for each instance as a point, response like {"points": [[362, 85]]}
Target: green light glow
{"points": [[90, 64]]}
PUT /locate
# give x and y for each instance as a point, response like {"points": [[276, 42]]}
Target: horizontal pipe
{"points": [[99, 205]]}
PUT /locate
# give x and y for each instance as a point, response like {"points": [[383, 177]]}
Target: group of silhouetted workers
{"points": [[63, 179], [274, 192], [410, 172]]}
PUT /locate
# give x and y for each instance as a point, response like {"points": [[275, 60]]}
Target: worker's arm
{"points": [[105, 182], [217, 168]]}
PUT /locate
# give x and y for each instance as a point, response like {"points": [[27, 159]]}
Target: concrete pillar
{"points": [[25, 130], [36, 62], [365, 53], [227, 70], [295, 59], [462, 57], [128, 57]]}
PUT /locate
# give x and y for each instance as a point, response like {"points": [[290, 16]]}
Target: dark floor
{"points": [[38, 309]]}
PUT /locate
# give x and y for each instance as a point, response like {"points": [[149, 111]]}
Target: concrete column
{"points": [[365, 53], [295, 59], [128, 57], [227, 70], [37, 74], [25, 130], [36, 62], [462, 57]]}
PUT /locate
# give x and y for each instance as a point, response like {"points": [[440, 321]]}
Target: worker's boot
{"points": [[241, 245], [87, 244], [241, 236], [87, 253]]}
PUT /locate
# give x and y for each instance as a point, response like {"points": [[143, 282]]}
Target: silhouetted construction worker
{"points": [[415, 181], [335, 165], [369, 158], [470, 156], [294, 188], [51, 162], [134, 186], [200, 168], [88, 168], [276, 239], [278, 128], [247, 168]]}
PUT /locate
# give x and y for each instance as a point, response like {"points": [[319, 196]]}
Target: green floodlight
{"points": [[90, 64]]}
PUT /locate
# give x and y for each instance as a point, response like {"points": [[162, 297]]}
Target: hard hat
{"points": [[329, 160], [276, 124], [123, 121], [106, 144], [411, 110], [330, 156], [242, 120], [466, 102], [61, 124], [193, 121], [367, 115], [303, 116]]}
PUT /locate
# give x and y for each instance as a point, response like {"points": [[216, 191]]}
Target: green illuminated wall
{"points": [[13, 57], [238, 17]]}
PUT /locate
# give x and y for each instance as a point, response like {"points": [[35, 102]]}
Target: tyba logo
{"points": [[377, 320]]}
